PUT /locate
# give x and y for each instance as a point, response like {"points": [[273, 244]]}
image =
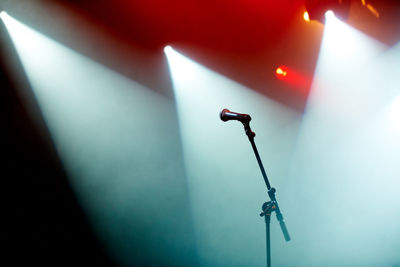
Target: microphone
{"points": [[227, 115]]}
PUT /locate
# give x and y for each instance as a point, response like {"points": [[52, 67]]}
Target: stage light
{"points": [[168, 49], [306, 16], [297, 80], [329, 14], [316, 9], [370, 8], [281, 72], [3, 14]]}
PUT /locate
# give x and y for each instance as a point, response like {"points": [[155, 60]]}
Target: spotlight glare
{"points": [[3, 15], [168, 49], [306, 16], [329, 14]]}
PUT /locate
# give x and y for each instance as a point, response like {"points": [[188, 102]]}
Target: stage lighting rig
{"points": [[316, 9]]}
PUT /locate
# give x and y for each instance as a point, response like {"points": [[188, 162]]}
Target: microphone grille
{"points": [[222, 114]]}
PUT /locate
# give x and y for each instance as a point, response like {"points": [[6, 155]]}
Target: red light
{"points": [[281, 72], [293, 78]]}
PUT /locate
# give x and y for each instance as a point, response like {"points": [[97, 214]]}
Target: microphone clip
{"points": [[268, 208], [248, 130]]}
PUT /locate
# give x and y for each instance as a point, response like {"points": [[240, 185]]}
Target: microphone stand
{"points": [[270, 206]]}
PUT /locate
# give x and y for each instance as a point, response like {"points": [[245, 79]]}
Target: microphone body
{"points": [[227, 115]]}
